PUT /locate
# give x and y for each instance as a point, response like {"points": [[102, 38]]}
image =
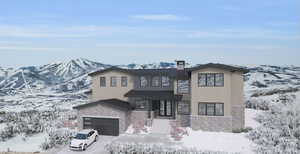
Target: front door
{"points": [[165, 108]]}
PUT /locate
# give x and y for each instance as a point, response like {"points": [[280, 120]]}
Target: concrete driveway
{"points": [[95, 148]]}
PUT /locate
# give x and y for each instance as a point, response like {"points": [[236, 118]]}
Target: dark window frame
{"points": [[101, 78], [181, 113], [147, 84], [159, 81], [169, 83], [124, 79], [111, 81], [214, 109], [214, 76], [188, 87], [223, 80]]}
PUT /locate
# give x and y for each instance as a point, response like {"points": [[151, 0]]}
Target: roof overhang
{"points": [[220, 66], [153, 94], [111, 102]]}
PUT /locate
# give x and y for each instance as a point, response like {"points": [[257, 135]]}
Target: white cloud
{"points": [[159, 17], [244, 34], [27, 48]]}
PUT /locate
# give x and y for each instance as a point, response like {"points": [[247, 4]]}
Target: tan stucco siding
{"points": [[237, 88], [109, 92], [211, 94]]}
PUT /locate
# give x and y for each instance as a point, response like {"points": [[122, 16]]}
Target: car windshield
{"points": [[81, 136]]}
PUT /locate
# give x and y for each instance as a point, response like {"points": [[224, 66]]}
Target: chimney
{"points": [[180, 64]]}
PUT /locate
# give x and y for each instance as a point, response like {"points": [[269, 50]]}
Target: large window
{"points": [[124, 81], [113, 81], [102, 81], [155, 81], [183, 107], [183, 86], [165, 81], [210, 80], [211, 109], [144, 81]]}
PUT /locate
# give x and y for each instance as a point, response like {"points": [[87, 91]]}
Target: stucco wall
{"points": [[100, 110], [109, 92], [231, 94], [211, 94]]}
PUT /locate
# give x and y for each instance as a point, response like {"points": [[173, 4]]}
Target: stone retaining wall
{"points": [[212, 123]]}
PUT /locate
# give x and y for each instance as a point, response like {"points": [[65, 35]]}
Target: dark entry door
{"points": [[104, 126], [165, 108]]}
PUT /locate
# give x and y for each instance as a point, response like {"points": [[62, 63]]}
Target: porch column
{"points": [[149, 108]]}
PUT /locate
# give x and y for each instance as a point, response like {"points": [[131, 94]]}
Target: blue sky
{"points": [[119, 32]]}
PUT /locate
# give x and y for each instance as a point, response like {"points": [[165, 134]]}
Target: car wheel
{"points": [[96, 137], [84, 147]]}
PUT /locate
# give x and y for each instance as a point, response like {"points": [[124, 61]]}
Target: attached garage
{"points": [[109, 117], [104, 126]]}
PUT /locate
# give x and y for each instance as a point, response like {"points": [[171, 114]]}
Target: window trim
{"points": [[124, 79], [169, 83], [159, 79], [214, 108], [223, 81], [103, 77], [186, 102], [188, 87], [141, 82], [214, 76], [112, 82]]}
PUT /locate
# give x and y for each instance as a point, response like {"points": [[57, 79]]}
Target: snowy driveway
{"points": [[95, 148]]}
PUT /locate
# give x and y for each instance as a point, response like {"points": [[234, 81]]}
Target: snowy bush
{"points": [[256, 103], [56, 137], [139, 148], [279, 131], [28, 123], [177, 132]]}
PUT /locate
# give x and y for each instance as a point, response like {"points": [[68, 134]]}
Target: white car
{"points": [[83, 139]]}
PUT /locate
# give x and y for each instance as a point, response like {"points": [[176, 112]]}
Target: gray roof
{"points": [[112, 102], [173, 72]]}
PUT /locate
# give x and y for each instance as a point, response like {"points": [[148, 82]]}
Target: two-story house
{"points": [[207, 97]]}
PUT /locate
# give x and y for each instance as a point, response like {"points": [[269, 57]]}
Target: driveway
{"points": [[95, 148]]}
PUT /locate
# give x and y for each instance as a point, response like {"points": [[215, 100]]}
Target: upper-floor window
{"points": [[102, 81], [165, 81], [113, 81], [210, 79], [124, 81], [155, 81], [211, 109], [183, 86], [143, 81]]}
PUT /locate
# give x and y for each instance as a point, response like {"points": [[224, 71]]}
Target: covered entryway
{"points": [[104, 126]]}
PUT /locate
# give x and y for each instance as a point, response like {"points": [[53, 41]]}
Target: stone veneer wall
{"points": [[238, 117], [100, 110], [212, 123], [139, 116], [184, 120]]}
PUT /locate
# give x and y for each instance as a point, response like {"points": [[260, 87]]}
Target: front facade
{"points": [[207, 97]]}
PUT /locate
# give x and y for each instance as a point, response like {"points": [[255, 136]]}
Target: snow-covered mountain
{"points": [[64, 83], [47, 75]]}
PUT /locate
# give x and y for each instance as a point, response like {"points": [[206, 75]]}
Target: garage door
{"points": [[105, 126]]}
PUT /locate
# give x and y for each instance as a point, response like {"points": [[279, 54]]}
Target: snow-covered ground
{"points": [[250, 115], [20, 144], [218, 141], [221, 141]]}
